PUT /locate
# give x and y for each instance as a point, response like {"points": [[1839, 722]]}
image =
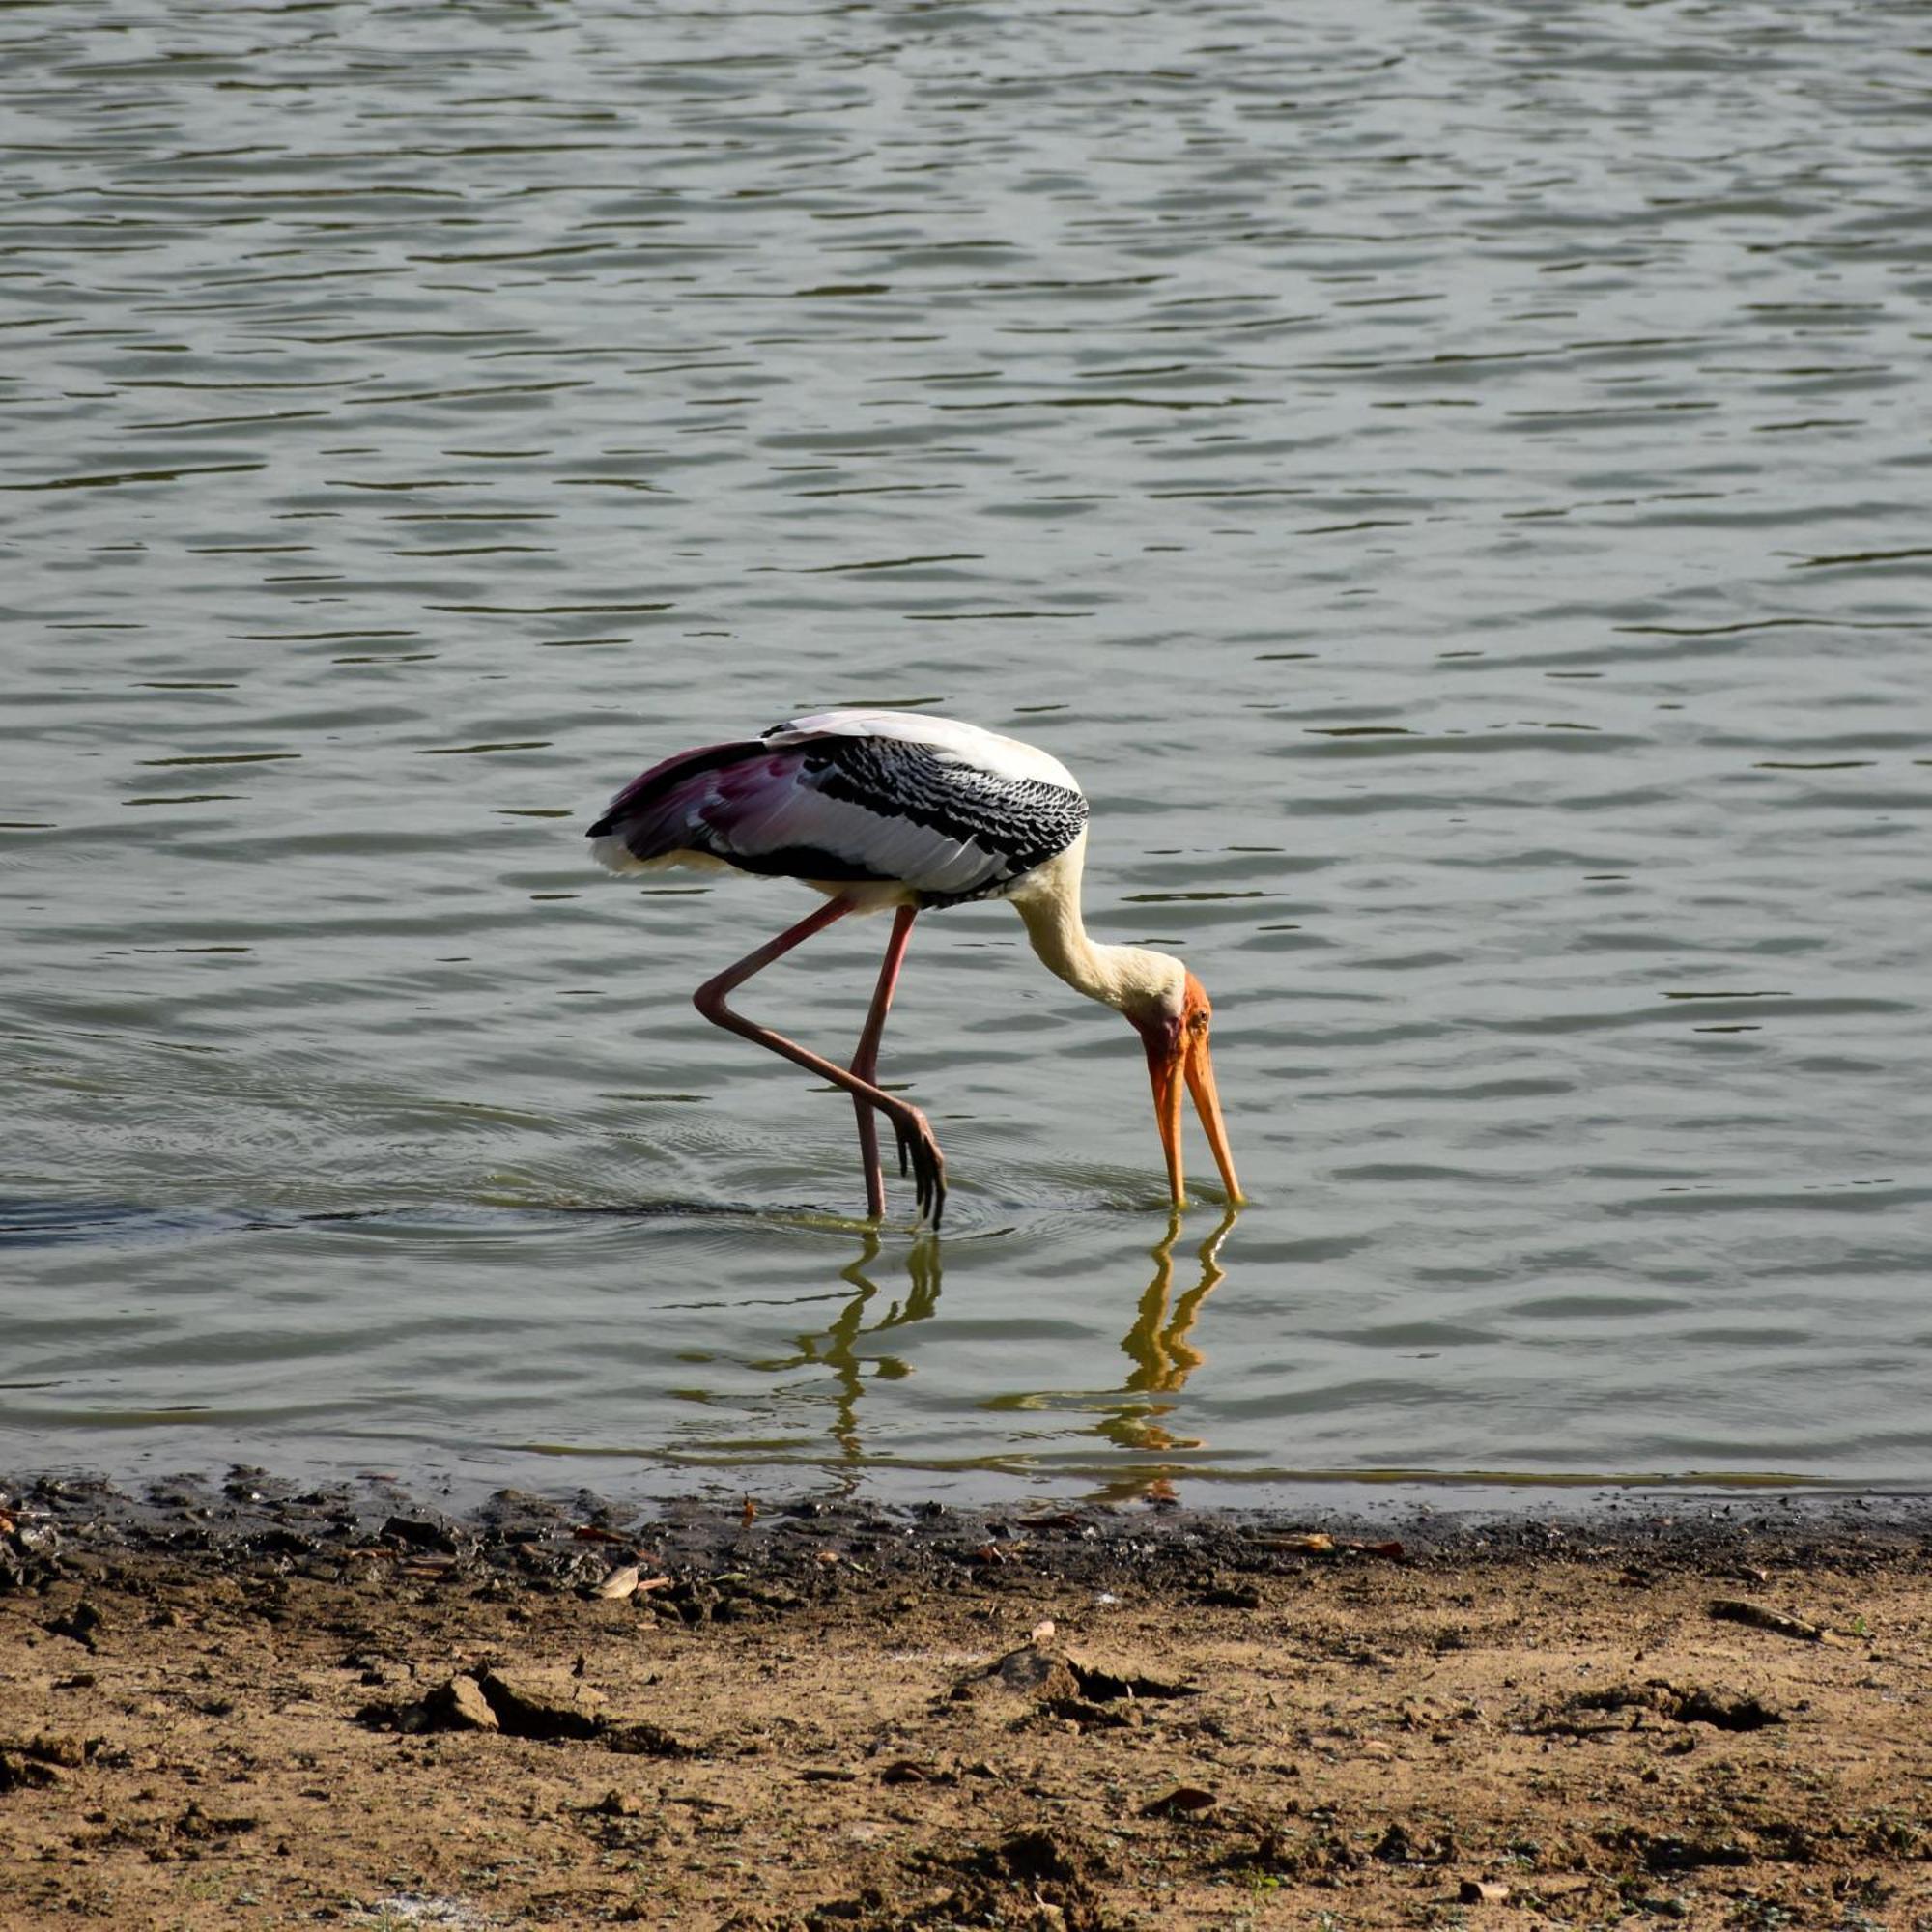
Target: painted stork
{"points": [[878, 808]]}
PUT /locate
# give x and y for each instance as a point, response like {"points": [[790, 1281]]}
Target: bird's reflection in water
{"points": [[1163, 1356], [836, 1348], [1159, 1345]]}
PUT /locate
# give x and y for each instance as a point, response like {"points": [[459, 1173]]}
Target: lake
{"points": [[1454, 482]]}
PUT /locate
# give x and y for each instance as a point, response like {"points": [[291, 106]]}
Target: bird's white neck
{"points": [[1130, 979]]}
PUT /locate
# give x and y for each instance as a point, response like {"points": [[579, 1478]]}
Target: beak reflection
{"points": [[1162, 1351]]}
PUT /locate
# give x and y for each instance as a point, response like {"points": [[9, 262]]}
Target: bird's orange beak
{"points": [[1177, 1056]]}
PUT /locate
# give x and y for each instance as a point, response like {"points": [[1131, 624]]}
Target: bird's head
{"points": [[1174, 1018]]}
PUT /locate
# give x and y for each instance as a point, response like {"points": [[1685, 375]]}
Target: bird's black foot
{"points": [[920, 1158]]}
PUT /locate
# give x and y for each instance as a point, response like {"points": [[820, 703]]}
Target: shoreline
{"points": [[255, 1702], [251, 1511], [251, 1520]]}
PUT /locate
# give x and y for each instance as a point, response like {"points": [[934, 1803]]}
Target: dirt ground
{"points": [[234, 1707]]}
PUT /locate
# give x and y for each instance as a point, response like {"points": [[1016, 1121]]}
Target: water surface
{"points": [[1452, 480]]}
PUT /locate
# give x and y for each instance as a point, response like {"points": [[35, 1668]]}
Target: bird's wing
{"points": [[950, 738], [839, 806]]}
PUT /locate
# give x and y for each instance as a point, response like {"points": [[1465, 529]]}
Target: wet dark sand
{"points": [[253, 1703]]}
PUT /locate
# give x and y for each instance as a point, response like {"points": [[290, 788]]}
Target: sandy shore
{"points": [[250, 1705]]}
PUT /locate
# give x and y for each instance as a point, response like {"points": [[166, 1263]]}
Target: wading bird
{"points": [[878, 808]]}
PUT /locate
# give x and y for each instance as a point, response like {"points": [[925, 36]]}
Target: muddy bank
{"points": [[254, 1703]]}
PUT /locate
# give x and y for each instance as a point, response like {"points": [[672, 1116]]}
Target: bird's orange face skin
{"points": [[1177, 1058]]}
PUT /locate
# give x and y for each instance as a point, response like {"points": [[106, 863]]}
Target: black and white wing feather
{"points": [[941, 810]]}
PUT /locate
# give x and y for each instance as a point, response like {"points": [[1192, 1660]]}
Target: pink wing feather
{"points": [[753, 807]]}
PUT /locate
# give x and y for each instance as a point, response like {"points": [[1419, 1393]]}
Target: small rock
{"points": [[1760, 1616], [460, 1705], [81, 1625], [25, 1774], [60, 1747], [1056, 1677], [419, 1534], [620, 1582], [1185, 1801], [1482, 1892], [646, 1739], [1397, 1848], [1028, 1672], [1394, 1847], [527, 1706], [195, 1823], [1231, 1597], [1104, 1678]]}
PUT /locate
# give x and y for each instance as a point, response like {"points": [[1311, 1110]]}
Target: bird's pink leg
{"points": [[918, 1151], [865, 1062]]}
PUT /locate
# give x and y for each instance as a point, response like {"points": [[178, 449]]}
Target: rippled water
{"points": [[1453, 481]]}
